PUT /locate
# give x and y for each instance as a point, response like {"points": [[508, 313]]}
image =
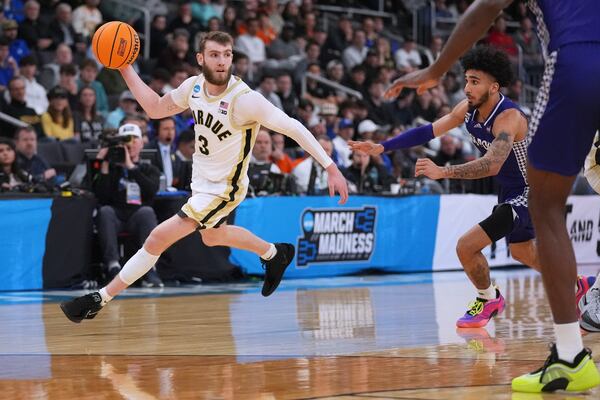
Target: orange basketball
{"points": [[116, 44]]}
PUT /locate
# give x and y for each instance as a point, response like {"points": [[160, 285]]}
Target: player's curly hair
{"points": [[491, 61]]}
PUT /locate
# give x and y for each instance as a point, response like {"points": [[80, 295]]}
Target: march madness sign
{"points": [[332, 235]]}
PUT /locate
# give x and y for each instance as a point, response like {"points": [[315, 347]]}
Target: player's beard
{"points": [[212, 78]]}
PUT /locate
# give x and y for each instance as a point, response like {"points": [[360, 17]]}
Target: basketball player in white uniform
{"points": [[227, 115]]}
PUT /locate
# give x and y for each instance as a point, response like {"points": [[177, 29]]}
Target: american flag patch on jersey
{"points": [[223, 107]]}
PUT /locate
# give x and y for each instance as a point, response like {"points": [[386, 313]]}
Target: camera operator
{"points": [[125, 189], [11, 176], [262, 172]]}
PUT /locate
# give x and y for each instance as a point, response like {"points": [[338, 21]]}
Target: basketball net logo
{"points": [[332, 235]]}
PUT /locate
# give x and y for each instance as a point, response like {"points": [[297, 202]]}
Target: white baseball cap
{"points": [[367, 126], [130, 130]]}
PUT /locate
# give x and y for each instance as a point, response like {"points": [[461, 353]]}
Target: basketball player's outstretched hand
{"points": [[337, 183], [369, 148], [428, 168], [422, 80]]}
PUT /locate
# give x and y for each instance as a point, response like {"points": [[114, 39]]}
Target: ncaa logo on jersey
{"points": [[196, 88], [333, 235]]}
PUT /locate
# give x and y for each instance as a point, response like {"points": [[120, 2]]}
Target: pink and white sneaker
{"points": [[481, 311]]}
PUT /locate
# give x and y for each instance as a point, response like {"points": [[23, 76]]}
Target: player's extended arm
{"points": [[506, 127], [474, 23], [155, 106], [416, 136], [252, 106]]}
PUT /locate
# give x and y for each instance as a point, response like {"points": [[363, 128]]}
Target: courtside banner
{"points": [[458, 214], [583, 226], [390, 234]]}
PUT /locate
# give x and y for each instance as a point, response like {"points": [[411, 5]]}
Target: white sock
{"points": [[488, 294], [269, 253], [137, 266], [105, 296], [568, 341]]}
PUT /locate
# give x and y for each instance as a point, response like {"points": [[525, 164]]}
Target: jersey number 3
{"points": [[202, 143]]}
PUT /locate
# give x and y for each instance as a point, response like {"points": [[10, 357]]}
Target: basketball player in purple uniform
{"points": [[564, 121]]}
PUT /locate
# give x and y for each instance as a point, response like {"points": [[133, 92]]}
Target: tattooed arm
{"points": [[508, 125]]}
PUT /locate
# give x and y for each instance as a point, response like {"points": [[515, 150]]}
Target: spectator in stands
{"points": [[158, 33], [291, 13], [214, 24], [252, 45], [453, 88], [286, 93], [50, 73], [284, 46], [89, 124], [164, 130], [127, 105], [498, 37], [241, 68], [372, 64], [18, 47], [310, 177], [338, 39], [271, 8], [433, 52], [32, 29], [86, 18], [312, 54], [61, 29], [384, 50], [305, 114], [340, 143], [425, 107], [184, 20], [202, 11], [528, 40], [356, 53], [407, 57], [11, 175], [335, 73], [357, 78], [261, 165], [160, 78], [68, 81], [125, 191], [329, 114], [366, 177], [35, 94], [401, 109], [87, 77], [450, 153], [267, 88], [27, 157], [178, 75], [367, 129], [57, 122], [17, 108], [186, 145], [308, 26], [265, 31], [178, 53], [230, 21], [317, 92], [8, 66], [279, 155], [368, 26], [378, 112]]}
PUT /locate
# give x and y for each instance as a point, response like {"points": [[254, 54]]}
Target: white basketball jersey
{"points": [[222, 147]]}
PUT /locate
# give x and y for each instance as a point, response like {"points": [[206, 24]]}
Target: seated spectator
{"points": [[125, 191], [28, 159], [271, 8], [378, 112], [178, 75], [401, 109], [18, 47], [355, 53], [407, 57], [127, 105], [279, 155], [242, 68], [160, 78], [267, 88], [529, 42], [182, 167], [357, 79], [316, 92], [57, 122], [87, 77], [231, 21], [498, 37], [184, 20], [32, 29], [202, 11], [286, 93], [338, 39], [61, 29], [17, 108], [11, 175], [35, 94], [86, 18], [50, 73], [8, 65], [89, 124], [335, 73], [177, 54], [450, 154], [372, 65], [329, 113], [164, 130], [68, 81], [433, 52], [310, 177], [366, 177], [284, 46], [158, 33], [340, 143], [384, 50], [251, 45]]}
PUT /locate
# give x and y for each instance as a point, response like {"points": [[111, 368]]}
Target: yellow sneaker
{"points": [[557, 374]]}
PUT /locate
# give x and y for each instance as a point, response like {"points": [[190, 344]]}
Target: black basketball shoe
{"points": [[275, 267], [84, 307]]}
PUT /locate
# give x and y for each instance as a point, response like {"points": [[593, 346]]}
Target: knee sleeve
{"points": [[500, 223]]}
